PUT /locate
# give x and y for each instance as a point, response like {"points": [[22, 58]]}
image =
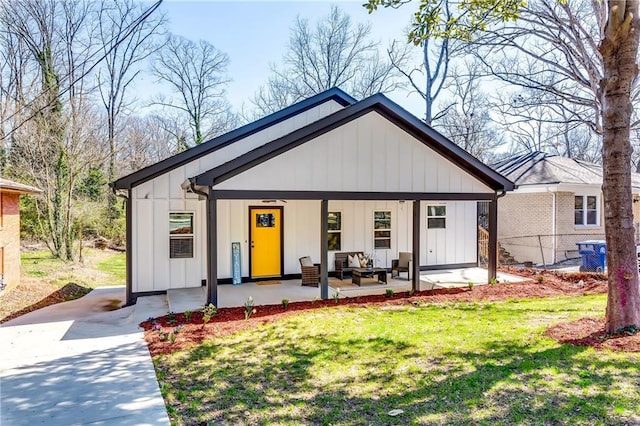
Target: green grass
{"points": [[99, 268], [441, 364], [115, 266]]}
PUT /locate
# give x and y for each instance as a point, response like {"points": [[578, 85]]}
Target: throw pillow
{"points": [[363, 261], [353, 261]]}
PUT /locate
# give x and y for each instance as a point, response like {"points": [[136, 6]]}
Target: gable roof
{"points": [[10, 186], [378, 103], [221, 141], [539, 168]]}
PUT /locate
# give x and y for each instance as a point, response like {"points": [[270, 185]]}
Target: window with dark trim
{"points": [[335, 231], [181, 235], [586, 210], [436, 217], [382, 229]]}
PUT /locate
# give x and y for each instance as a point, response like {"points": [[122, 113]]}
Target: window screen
{"points": [[181, 235]]}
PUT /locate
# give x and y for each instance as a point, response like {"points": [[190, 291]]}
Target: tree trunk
{"points": [[619, 49]]}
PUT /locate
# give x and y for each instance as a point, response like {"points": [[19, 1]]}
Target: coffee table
{"points": [[358, 273]]}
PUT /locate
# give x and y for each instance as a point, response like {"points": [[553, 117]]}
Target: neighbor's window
{"points": [[586, 210], [335, 231], [382, 230], [180, 235], [436, 217]]}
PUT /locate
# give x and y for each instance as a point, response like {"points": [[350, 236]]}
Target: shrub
{"points": [[388, 292], [187, 316], [285, 303], [470, 285], [248, 308], [208, 311]]}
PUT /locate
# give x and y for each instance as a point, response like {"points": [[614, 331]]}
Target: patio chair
{"points": [[310, 272], [404, 263]]}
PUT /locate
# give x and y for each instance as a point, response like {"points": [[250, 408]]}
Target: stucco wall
{"points": [[10, 238]]}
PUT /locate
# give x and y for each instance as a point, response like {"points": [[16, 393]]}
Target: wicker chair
{"points": [[310, 272], [402, 264]]}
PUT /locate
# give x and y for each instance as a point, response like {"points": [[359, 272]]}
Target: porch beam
{"points": [[493, 238], [212, 250], [324, 249], [415, 273], [223, 194]]}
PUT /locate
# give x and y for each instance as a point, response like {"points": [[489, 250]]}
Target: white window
{"points": [[586, 210], [335, 231], [436, 217], [180, 235], [382, 230]]}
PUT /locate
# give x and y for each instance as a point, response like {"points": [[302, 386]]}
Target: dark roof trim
{"points": [[166, 165], [352, 196], [378, 103]]}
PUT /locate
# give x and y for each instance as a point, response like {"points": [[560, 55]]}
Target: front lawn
{"points": [[482, 363]]}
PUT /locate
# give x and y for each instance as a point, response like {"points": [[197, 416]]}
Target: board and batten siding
{"points": [[369, 153], [152, 201], [301, 232], [456, 244]]}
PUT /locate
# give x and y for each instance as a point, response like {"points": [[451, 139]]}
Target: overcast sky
{"points": [[255, 34]]}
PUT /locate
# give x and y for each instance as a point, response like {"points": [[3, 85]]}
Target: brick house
{"points": [[10, 230], [557, 202]]}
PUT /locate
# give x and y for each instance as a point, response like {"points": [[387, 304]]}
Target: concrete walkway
{"points": [[81, 362]]}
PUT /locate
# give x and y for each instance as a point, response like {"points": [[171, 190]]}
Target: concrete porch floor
{"points": [[192, 299]]}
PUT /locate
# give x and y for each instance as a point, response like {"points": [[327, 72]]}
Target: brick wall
{"points": [[10, 237], [569, 233], [521, 218]]}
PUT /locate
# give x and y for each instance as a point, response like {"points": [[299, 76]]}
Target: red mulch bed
{"points": [[590, 332], [158, 333]]}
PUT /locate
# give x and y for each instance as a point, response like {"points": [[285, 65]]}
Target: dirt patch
{"points": [[112, 305], [32, 295], [173, 333]]}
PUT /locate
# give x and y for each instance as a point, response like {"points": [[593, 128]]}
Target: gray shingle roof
{"points": [[539, 168]]}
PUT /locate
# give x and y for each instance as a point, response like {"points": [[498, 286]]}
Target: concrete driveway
{"points": [[80, 362]]}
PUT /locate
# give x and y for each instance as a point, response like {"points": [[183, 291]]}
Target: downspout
{"points": [[553, 228], [128, 245], [192, 186]]}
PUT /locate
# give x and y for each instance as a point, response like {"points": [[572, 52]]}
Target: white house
{"points": [[388, 182]]}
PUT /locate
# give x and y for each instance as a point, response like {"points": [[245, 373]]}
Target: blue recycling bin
{"points": [[594, 255]]}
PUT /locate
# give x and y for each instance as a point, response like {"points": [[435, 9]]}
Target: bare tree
{"points": [[468, 122], [598, 60], [432, 75], [126, 31], [552, 55], [196, 73], [334, 53], [143, 141], [51, 149]]}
